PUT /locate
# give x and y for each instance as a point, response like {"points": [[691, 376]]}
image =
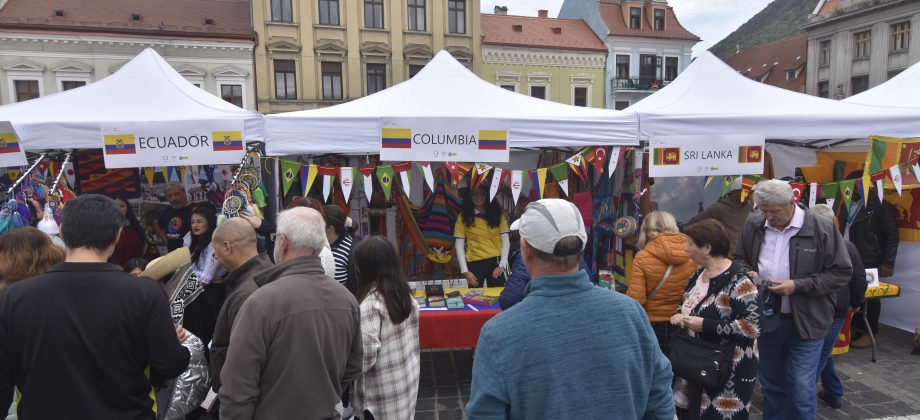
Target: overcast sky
{"points": [[711, 20]]}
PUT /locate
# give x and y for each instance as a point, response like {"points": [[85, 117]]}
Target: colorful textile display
{"points": [[431, 224]]}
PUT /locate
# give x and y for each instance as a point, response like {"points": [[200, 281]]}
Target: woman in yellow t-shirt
{"points": [[482, 240]]}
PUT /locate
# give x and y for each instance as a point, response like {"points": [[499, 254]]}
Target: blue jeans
{"points": [[787, 373], [826, 373]]}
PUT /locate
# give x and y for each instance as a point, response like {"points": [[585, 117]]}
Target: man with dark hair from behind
{"points": [[83, 340]]}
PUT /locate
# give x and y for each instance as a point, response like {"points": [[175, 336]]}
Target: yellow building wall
{"points": [[560, 80]]}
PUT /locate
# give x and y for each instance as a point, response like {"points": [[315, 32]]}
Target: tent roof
{"points": [[902, 90], [445, 88], [709, 97], [144, 89]]}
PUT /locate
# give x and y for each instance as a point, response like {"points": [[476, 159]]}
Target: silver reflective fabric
{"points": [[192, 386]]}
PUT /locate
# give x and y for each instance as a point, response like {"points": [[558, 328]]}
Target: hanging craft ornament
{"points": [[385, 176], [368, 181], [625, 227], [232, 205]]}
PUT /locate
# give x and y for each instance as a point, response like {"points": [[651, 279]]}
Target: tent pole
{"points": [[57, 179], [22, 177]]}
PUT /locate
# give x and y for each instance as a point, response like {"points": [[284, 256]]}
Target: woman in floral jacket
{"points": [[732, 313]]}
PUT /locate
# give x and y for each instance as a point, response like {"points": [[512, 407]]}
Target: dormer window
{"points": [[135, 16], [635, 18], [59, 13], [790, 75], [659, 19], [209, 21]]}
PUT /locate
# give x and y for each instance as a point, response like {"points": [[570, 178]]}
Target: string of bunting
{"points": [[480, 172]]}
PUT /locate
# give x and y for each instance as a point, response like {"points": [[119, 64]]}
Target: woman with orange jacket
{"points": [[660, 272]]}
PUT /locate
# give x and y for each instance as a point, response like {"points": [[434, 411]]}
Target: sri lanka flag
{"points": [[226, 141], [9, 143], [119, 144], [493, 140], [667, 156], [750, 154], [396, 138]]}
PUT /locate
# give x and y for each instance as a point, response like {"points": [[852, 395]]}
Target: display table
{"points": [[454, 327], [883, 291]]}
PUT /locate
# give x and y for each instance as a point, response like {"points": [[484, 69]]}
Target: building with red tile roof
{"points": [[561, 60], [779, 63], [647, 45], [49, 46], [855, 45]]}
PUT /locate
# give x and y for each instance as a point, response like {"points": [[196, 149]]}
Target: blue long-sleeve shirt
{"points": [[519, 277], [570, 350]]}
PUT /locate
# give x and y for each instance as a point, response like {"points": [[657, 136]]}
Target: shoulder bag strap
{"points": [[661, 283], [715, 290]]}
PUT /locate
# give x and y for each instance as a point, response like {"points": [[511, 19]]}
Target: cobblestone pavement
{"points": [[888, 389]]}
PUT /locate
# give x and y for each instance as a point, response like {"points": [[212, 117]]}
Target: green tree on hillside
{"points": [[780, 19]]}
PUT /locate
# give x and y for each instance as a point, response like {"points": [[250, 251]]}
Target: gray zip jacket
{"points": [[818, 264]]}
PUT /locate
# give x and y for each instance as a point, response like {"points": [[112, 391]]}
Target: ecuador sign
{"points": [[444, 139], [11, 153], [736, 154], [172, 143]]}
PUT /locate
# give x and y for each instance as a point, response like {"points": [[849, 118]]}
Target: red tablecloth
{"points": [[453, 328]]}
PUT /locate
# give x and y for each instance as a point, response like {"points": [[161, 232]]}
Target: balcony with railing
{"points": [[638, 83]]}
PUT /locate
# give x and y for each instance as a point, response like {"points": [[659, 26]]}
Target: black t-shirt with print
{"points": [[176, 223]]}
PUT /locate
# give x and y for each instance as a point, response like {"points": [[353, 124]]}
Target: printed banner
{"points": [[11, 154], [447, 139], [706, 155], [172, 143]]}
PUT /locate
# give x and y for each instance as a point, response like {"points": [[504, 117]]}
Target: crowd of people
{"points": [[324, 325]]}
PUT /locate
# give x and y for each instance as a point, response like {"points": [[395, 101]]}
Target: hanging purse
{"points": [[708, 364]]}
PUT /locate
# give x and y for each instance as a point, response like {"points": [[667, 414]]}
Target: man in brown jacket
{"points": [[296, 342], [236, 248]]}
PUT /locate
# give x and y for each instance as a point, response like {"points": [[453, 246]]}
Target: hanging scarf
{"points": [[431, 225]]}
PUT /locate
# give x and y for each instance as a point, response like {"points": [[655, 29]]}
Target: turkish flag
{"points": [[798, 188]]}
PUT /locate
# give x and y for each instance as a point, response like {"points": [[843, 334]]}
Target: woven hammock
{"points": [[431, 225]]}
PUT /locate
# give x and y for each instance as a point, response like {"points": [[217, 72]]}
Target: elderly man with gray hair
{"points": [[803, 262], [296, 342]]}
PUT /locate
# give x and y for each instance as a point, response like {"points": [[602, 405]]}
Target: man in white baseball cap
{"points": [[568, 341]]}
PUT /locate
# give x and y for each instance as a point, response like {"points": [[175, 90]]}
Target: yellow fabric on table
{"points": [[884, 290]]}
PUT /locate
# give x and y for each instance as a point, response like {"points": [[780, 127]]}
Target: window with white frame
{"points": [[25, 80], [231, 84]]}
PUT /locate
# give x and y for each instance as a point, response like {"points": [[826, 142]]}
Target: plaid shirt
{"points": [[388, 385]]}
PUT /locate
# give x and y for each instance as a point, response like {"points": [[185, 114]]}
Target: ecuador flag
{"points": [[9, 143], [119, 144], [224, 141]]}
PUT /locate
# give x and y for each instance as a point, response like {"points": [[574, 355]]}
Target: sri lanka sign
{"points": [[172, 143], [444, 139], [733, 154]]}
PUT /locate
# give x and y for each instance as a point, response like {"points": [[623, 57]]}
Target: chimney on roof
{"points": [[501, 10], [557, 31], [543, 13], [518, 28]]}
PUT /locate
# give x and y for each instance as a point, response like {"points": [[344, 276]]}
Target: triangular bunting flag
{"points": [[879, 179], [70, 174], [429, 177], [798, 188], [813, 196], [497, 176], [209, 173], [516, 185], [614, 159], [42, 168], [173, 174], [479, 174], [385, 176], [747, 184], [538, 179], [727, 181], [307, 177], [708, 180], [600, 158], [576, 162], [462, 170], [454, 171], [862, 187], [367, 172], [895, 173], [847, 189], [830, 193], [561, 174], [404, 170], [13, 173], [289, 172], [327, 186], [347, 180], [148, 173]]}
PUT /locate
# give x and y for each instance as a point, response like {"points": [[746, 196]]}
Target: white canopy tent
{"points": [[901, 91], [144, 89], [710, 97], [445, 88]]}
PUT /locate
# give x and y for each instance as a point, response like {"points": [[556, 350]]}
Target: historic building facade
{"points": [[561, 60], [855, 45], [77, 42], [320, 53], [647, 46], [780, 63]]}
